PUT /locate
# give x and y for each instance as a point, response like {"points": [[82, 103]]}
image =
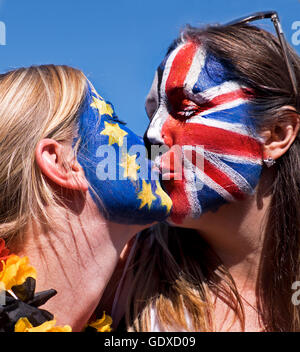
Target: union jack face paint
{"points": [[198, 107]]}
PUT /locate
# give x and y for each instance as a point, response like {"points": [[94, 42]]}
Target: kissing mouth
{"points": [[166, 172], [167, 168]]}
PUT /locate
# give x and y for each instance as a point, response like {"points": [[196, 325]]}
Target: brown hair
{"points": [[174, 269], [35, 103]]}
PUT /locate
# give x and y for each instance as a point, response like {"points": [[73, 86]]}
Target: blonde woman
{"points": [[230, 259], [58, 208]]}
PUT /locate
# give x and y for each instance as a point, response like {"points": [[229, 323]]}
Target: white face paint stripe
{"points": [[238, 159], [191, 191], [161, 115], [211, 93], [227, 126], [228, 157], [195, 69], [236, 177], [211, 183], [214, 159], [167, 70], [190, 184], [225, 106]]}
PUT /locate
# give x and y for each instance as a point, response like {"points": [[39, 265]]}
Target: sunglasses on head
{"points": [[275, 19]]}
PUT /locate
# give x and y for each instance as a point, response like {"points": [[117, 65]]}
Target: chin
{"points": [[190, 208]]}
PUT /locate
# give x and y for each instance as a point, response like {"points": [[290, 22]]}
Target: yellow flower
{"points": [[24, 325], [15, 271], [103, 324]]}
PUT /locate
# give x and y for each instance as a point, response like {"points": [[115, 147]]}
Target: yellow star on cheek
{"points": [[114, 132], [102, 107], [165, 199], [130, 167], [146, 195]]}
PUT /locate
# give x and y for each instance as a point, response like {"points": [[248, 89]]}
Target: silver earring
{"points": [[269, 162]]}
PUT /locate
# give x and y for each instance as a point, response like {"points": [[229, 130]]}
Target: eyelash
{"points": [[186, 113]]}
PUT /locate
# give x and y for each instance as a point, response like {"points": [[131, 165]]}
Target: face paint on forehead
{"points": [[123, 184], [154, 95], [205, 110], [165, 75]]}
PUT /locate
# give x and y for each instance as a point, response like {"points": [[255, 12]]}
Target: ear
{"points": [[281, 136], [55, 162]]}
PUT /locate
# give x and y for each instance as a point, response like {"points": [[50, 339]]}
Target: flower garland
{"points": [[19, 304]]}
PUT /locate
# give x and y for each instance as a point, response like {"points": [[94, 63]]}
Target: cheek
{"points": [[230, 168], [175, 132], [175, 135], [211, 139]]}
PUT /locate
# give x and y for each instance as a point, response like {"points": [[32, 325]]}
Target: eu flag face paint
{"points": [[114, 159], [199, 110]]}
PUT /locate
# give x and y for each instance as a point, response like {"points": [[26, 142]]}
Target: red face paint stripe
{"points": [[181, 203], [223, 180], [219, 177], [223, 141], [179, 71], [223, 99], [176, 78]]}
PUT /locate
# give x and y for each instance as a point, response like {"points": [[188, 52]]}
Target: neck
{"points": [[239, 242], [236, 233], [77, 261]]}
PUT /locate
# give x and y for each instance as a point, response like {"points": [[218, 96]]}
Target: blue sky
{"points": [[117, 44]]}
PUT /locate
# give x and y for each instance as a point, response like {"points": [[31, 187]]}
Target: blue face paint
{"points": [[200, 109], [123, 184]]}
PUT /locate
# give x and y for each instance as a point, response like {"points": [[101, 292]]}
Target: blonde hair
{"points": [[174, 273], [35, 103]]}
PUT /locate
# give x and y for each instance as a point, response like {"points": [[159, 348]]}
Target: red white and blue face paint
{"points": [[114, 159], [201, 113]]}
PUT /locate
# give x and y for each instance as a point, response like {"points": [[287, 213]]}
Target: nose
{"points": [[153, 134], [147, 142]]}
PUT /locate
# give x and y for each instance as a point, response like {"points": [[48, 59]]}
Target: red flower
{"points": [[4, 252]]}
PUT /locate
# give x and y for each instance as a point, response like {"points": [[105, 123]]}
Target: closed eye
{"points": [[184, 109], [188, 111]]}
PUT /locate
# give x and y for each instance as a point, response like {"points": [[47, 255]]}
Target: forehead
{"points": [[191, 67], [192, 73]]}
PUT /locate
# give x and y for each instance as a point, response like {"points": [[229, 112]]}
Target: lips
{"points": [[167, 176], [170, 164], [168, 173]]}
